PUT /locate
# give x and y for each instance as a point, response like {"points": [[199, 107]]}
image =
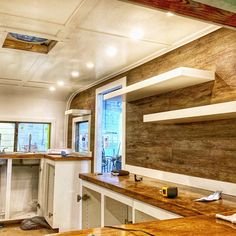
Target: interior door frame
{"points": [[97, 141]]}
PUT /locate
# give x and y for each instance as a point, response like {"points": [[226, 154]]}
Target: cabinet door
{"points": [[91, 209], [145, 212], [49, 201], [116, 212], [41, 189], [143, 217]]}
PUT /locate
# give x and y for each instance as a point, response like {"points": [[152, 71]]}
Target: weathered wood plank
{"points": [[204, 149]]}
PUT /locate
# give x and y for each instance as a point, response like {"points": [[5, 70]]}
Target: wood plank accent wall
{"points": [[204, 149]]}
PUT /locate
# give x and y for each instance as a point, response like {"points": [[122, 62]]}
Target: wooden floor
{"points": [[14, 230]]}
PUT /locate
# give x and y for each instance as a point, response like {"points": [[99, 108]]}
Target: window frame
{"points": [[97, 139], [82, 119], [26, 122]]}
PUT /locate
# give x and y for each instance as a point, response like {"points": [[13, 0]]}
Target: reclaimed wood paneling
{"points": [[203, 149]]}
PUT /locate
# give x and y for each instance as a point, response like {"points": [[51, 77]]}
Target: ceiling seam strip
{"points": [[32, 68], [121, 36], [32, 19], [70, 18]]}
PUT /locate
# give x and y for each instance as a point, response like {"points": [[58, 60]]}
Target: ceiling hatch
{"points": [[28, 43]]}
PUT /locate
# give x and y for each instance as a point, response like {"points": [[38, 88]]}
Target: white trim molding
{"points": [[74, 122], [208, 184]]}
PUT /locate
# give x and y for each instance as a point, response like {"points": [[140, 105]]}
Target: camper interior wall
{"points": [[35, 105]]}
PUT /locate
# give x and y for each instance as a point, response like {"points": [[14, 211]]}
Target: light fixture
{"points": [[52, 89], [60, 83], [90, 65], [136, 33], [169, 14], [75, 73], [111, 51]]}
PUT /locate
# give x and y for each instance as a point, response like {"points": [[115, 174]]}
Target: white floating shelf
{"points": [[178, 78], [220, 111], [78, 112]]}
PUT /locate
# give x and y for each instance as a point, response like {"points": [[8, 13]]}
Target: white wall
{"points": [[30, 104]]}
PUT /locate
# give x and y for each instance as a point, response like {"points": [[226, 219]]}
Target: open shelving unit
{"points": [[219, 111], [77, 112], [178, 78]]}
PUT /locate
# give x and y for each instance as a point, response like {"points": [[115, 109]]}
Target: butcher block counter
{"points": [[195, 226], [43, 155], [148, 191], [198, 217]]}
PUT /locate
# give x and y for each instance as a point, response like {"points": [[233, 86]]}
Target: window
{"points": [[109, 128], [24, 136], [33, 137], [111, 134], [81, 135], [7, 136]]}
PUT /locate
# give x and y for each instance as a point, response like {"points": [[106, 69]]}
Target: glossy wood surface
{"points": [[41, 155], [190, 226], [148, 191], [192, 9]]}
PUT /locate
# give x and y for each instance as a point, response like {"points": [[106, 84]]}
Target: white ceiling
{"points": [[85, 30]]}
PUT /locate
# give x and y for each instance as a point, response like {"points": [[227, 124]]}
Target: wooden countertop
{"points": [[42, 155], [68, 158], [197, 226], [148, 191]]}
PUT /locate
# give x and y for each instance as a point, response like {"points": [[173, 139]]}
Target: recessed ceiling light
{"points": [[52, 89], [75, 73], [111, 51], [136, 33], [60, 83], [170, 14], [90, 65]]}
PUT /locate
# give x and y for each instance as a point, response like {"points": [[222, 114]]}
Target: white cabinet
{"points": [[148, 211], [30, 187], [116, 212], [103, 207], [143, 217], [60, 187]]}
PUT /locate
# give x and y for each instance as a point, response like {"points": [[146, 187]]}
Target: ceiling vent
{"points": [[28, 43]]}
